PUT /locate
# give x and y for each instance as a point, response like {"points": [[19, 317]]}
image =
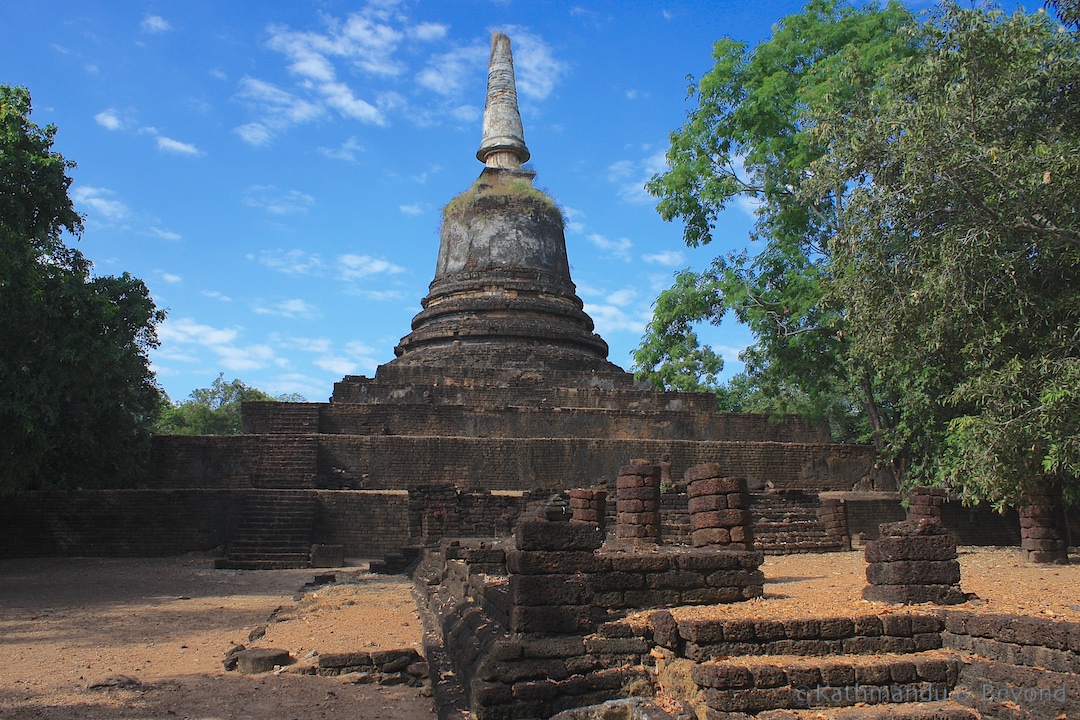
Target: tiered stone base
{"points": [[913, 562]]}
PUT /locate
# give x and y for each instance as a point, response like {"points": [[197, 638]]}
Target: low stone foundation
{"points": [[913, 562], [532, 624]]}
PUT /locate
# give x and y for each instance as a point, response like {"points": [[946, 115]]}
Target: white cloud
{"points": [[336, 364], [668, 258], [610, 319], [279, 109], [175, 146], [291, 262], [428, 31], [314, 345], [217, 295], [276, 201], [414, 209], [186, 331], [353, 267], [171, 278], [295, 308], [340, 97], [620, 247], [165, 234], [240, 359], [155, 25], [631, 176], [622, 297], [347, 151], [574, 220], [101, 201], [109, 119], [380, 295], [449, 73], [255, 134]]}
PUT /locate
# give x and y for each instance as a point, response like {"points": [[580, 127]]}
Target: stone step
{"points": [[946, 710], [227, 564], [777, 682]]}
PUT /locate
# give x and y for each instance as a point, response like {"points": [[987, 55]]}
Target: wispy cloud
{"points": [[170, 278], [155, 25], [354, 267], [353, 67], [276, 201], [164, 234], [175, 146], [414, 209], [292, 262], [109, 119], [217, 295], [667, 258], [101, 201], [630, 176], [619, 247], [450, 72], [348, 150], [295, 308], [182, 336]]}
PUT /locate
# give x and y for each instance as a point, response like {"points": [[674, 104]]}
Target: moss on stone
{"points": [[512, 186]]}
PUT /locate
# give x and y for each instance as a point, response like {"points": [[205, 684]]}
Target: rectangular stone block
{"points": [[926, 547], [545, 535], [552, 619], [914, 572], [717, 519], [553, 562], [722, 676], [710, 536], [640, 562], [715, 486], [707, 503], [556, 589]]}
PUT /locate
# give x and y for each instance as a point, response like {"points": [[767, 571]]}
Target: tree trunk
{"points": [[874, 417]]}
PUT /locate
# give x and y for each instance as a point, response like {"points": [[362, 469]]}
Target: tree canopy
{"points": [[915, 279], [215, 410], [78, 393], [956, 253]]}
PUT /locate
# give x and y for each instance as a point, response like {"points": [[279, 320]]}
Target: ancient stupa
{"points": [[502, 295], [501, 389]]}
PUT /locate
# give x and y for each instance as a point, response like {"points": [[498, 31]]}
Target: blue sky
{"points": [[275, 171]]}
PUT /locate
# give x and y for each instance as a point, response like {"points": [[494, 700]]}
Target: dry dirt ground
{"points": [[67, 623]]}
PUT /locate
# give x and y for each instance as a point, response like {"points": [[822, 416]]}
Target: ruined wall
{"points": [[369, 524], [233, 461], [116, 523], [149, 523], [514, 464], [498, 419]]}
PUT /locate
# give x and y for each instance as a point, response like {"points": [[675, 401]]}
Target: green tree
{"points": [[77, 397], [215, 410], [957, 251], [752, 134]]}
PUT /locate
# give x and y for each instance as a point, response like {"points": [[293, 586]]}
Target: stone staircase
{"points": [[869, 667], [787, 522], [275, 532]]}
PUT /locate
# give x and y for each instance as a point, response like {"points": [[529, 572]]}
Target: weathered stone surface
{"points": [[260, 660], [912, 528], [927, 547], [914, 572], [544, 535]]}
